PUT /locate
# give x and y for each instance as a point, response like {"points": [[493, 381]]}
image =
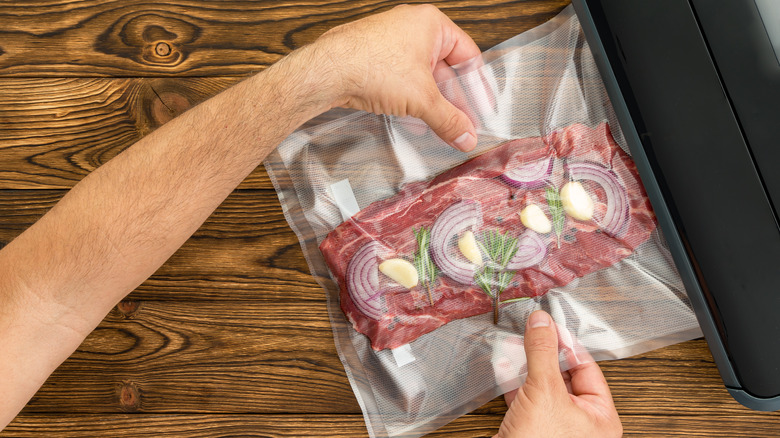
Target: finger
{"points": [[457, 45], [443, 72], [480, 93], [567, 380], [449, 123], [509, 397], [587, 379], [591, 379], [574, 353], [509, 364], [541, 349], [443, 75], [584, 376]]}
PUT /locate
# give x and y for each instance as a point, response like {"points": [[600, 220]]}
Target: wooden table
{"points": [[231, 335]]}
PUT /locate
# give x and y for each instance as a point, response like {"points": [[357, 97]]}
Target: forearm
{"points": [[120, 223]]}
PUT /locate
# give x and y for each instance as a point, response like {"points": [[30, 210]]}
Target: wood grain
{"points": [[244, 251], [198, 38], [351, 425], [53, 132], [200, 356], [252, 357], [746, 425]]}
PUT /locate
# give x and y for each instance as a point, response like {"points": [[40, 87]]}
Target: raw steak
{"points": [[581, 248]]}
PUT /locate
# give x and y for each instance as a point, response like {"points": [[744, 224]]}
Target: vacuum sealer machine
{"points": [[696, 87]]}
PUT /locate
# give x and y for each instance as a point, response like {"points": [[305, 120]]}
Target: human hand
{"points": [[550, 403], [386, 64]]}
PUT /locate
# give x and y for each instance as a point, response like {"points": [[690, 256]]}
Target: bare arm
{"points": [[120, 223], [60, 277]]}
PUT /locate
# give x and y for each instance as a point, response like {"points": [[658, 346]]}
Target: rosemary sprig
{"points": [[556, 210], [426, 269], [484, 279], [500, 248], [515, 300]]}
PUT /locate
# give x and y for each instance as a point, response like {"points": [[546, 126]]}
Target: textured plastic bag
{"points": [[541, 86]]}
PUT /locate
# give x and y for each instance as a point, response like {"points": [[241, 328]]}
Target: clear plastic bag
{"points": [[541, 86]]}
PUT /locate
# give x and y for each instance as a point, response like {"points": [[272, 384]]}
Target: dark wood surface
{"points": [[231, 336]]}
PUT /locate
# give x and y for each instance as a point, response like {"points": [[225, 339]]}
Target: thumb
{"points": [[541, 349], [449, 123]]}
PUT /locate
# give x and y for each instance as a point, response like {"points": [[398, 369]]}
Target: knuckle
{"points": [[544, 382], [449, 124], [423, 102], [430, 95], [334, 31], [428, 8], [542, 345]]}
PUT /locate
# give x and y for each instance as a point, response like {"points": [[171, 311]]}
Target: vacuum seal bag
{"points": [[432, 259]]}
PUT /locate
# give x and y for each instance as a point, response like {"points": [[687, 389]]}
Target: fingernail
{"points": [[539, 318], [465, 142]]}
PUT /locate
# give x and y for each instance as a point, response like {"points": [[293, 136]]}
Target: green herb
{"points": [[500, 248], [484, 279], [556, 210], [426, 269], [515, 300]]}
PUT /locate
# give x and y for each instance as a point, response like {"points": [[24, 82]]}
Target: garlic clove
{"points": [[401, 271], [534, 218], [467, 244], [576, 202]]}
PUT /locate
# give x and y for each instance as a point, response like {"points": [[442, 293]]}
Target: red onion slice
{"points": [[616, 218], [533, 175], [531, 250], [362, 278], [455, 219]]}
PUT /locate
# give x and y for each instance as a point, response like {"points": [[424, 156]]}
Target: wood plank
{"points": [[196, 38], [252, 357], [474, 425], [703, 425], [53, 132], [245, 250], [208, 426], [351, 425], [234, 357]]}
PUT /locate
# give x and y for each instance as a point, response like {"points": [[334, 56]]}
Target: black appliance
{"points": [[696, 87]]}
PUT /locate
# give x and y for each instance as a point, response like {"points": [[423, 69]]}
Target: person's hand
{"points": [[575, 403], [386, 63]]}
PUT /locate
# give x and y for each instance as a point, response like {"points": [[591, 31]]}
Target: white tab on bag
{"points": [[403, 355], [345, 198]]}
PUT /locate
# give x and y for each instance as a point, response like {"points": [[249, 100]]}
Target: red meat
{"points": [[408, 314]]}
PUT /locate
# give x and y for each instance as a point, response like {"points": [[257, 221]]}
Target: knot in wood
{"points": [[128, 308], [129, 396], [162, 49], [167, 105]]}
